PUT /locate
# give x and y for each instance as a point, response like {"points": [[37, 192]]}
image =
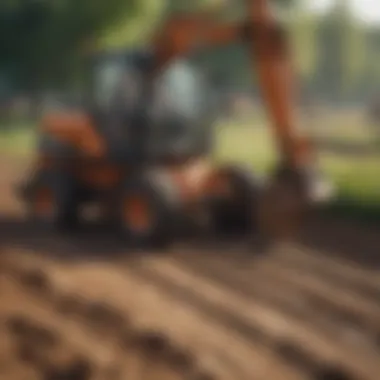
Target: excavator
{"points": [[141, 151]]}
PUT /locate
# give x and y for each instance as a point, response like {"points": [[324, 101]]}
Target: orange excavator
{"points": [[141, 151]]}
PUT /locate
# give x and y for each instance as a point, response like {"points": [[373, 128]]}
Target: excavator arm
{"points": [[269, 55]]}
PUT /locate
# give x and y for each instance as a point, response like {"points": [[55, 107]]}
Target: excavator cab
{"points": [[151, 120]]}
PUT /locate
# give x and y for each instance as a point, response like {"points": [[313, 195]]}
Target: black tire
{"points": [[237, 213], [62, 186], [162, 198]]}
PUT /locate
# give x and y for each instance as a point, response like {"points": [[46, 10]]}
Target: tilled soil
{"points": [[85, 307]]}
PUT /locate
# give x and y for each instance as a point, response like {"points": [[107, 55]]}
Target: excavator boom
{"points": [[270, 56]]}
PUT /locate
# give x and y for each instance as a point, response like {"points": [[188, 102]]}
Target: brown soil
{"points": [[85, 307]]}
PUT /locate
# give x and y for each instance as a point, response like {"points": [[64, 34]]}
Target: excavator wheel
{"points": [[232, 204], [52, 200], [149, 211]]}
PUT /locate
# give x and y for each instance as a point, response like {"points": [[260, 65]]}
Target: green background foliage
{"points": [[43, 42]]}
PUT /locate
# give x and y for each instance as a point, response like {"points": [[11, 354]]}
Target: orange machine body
{"points": [[77, 130], [94, 170]]}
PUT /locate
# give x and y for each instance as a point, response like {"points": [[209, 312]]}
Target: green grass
{"points": [[17, 140], [346, 127], [357, 178], [356, 175]]}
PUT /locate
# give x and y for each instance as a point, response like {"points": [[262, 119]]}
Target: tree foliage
{"points": [[343, 51], [42, 41]]}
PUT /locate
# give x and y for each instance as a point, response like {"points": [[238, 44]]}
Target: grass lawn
{"points": [[356, 177], [17, 140]]}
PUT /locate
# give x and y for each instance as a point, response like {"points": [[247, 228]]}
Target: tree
{"points": [[303, 36], [341, 62], [41, 39]]}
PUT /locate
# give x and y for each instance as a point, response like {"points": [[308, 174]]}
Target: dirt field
{"points": [[83, 307]]}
